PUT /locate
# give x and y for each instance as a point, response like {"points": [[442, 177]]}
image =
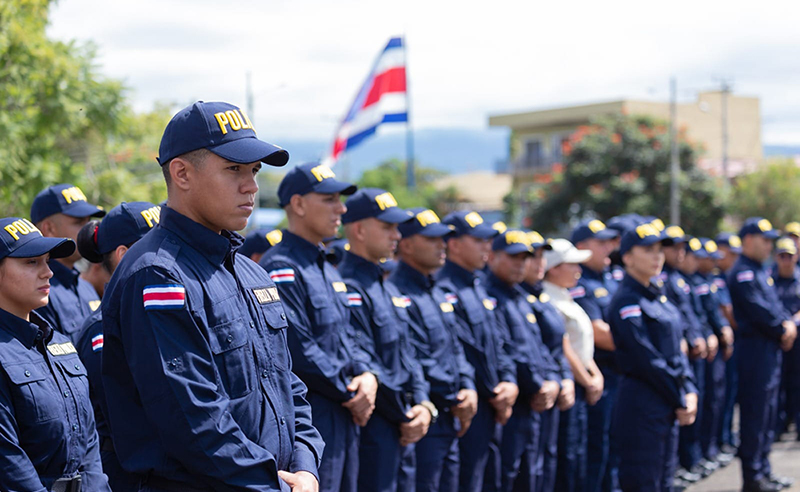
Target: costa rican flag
{"points": [[171, 296], [282, 275], [745, 276], [577, 292], [701, 290], [381, 99], [451, 298], [631, 311], [354, 299], [97, 343]]}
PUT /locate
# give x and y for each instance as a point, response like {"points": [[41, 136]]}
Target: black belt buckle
{"points": [[67, 484]]}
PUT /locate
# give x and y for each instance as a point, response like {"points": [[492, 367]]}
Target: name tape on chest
{"points": [[600, 292], [282, 275], [93, 305], [169, 296], [339, 286], [632, 311], [490, 303], [266, 295], [446, 307], [65, 348], [97, 343], [401, 302]]}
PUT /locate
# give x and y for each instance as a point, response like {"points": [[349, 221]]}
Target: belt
{"points": [[67, 484]]}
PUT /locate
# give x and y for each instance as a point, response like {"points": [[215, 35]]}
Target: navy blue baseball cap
{"points": [[537, 241], [512, 241], [223, 129], [758, 225], [19, 238], [785, 245], [425, 223], [709, 249], [374, 202], [470, 224], [260, 240], [311, 177], [730, 240], [673, 234], [641, 235], [63, 199], [592, 229], [624, 223], [125, 224]]}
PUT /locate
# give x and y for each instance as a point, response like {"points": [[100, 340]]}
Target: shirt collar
{"points": [[411, 275], [590, 274], [457, 273], [302, 249], [359, 268], [215, 247], [535, 289], [64, 275], [493, 281], [650, 292], [750, 262], [27, 332]]}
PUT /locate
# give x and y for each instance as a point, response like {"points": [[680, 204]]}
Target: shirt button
{"points": [[74, 427], [38, 335], [252, 325], [66, 394], [283, 315], [230, 339], [77, 367], [264, 373], [27, 373], [283, 421]]}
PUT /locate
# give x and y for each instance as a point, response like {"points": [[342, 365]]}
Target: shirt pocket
{"points": [[78, 381], [34, 393], [659, 328], [276, 334], [387, 334], [327, 319], [233, 356]]}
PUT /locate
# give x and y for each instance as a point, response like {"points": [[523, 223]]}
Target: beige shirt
{"points": [[578, 324]]}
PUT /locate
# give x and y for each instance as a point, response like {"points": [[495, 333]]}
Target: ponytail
{"points": [[87, 242]]}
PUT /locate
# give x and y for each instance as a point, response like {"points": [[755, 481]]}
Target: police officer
{"points": [[655, 388], [105, 243], [522, 339], [730, 246], [792, 230], [787, 285], [554, 331], [403, 410], [764, 329], [593, 293], [421, 252], [705, 252], [495, 375], [61, 211], [341, 388], [196, 367], [257, 242], [48, 439]]}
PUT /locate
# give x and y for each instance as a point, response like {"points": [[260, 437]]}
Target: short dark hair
{"points": [[196, 157]]}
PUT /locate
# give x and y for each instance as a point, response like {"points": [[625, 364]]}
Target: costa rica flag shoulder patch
{"points": [[168, 296], [354, 299], [97, 343], [282, 275], [631, 311], [745, 276]]}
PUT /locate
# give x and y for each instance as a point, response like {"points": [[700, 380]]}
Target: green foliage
{"points": [[620, 164], [772, 192], [391, 176]]}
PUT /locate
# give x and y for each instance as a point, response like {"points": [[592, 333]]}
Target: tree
{"points": [[391, 176], [772, 192], [53, 105], [620, 164]]}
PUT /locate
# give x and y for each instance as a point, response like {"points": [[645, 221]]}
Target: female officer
{"points": [[655, 392], [105, 243], [47, 434]]}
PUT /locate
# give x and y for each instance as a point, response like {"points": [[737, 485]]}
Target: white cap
{"points": [[564, 252]]}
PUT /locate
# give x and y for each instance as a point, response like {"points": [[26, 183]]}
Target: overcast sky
{"points": [[467, 59]]}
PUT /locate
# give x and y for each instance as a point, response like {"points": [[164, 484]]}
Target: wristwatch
{"points": [[431, 408]]}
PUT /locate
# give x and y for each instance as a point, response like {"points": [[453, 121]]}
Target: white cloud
{"points": [[466, 59]]}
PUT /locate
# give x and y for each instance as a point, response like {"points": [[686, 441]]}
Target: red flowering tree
{"points": [[621, 164]]}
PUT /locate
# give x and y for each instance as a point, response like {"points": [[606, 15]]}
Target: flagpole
{"points": [[411, 179]]}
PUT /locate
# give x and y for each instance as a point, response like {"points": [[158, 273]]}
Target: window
{"points": [[533, 155]]}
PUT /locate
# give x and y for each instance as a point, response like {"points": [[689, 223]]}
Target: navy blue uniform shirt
{"points": [[788, 290], [382, 328], [46, 420], [706, 291], [694, 285], [477, 328], [433, 335], [551, 322], [90, 350], [647, 330], [721, 281], [593, 293], [756, 307], [678, 292], [196, 366], [72, 300], [324, 353], [521, 336]]}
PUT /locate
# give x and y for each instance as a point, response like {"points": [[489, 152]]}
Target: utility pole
{"points": [[249, 95], [674, 164], [411, 177], [725, 91]]}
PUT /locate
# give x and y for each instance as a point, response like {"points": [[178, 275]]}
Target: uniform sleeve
{"points": [[322, 373], [308, 445], [91, 468], [711, 308], [529, 378], [173, 370], [691, 325], [16, 469], [752, 303], [364, 340], [645, 361], [466, 373]]}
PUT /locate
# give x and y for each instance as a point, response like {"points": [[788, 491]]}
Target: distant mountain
{"points": [[781, 150], [451, 150]]}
